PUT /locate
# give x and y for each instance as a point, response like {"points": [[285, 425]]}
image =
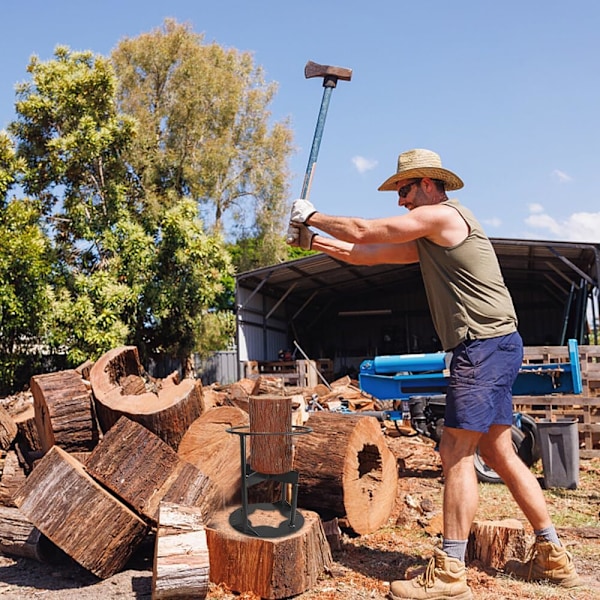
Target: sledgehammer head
{"points": [[328, 72]]}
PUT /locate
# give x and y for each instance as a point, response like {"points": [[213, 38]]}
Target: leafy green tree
{"points": [[189, 274], [204, 133]]}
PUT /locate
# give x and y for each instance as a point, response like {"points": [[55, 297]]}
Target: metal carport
{"points": [[348, 313]]}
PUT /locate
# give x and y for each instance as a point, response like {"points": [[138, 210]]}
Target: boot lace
{"points": [[427, 579]]}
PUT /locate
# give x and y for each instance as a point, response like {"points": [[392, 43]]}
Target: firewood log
{"points": [[8, 429], [64, 412], [18, 537], [181, 563], [208, 446], [142, 470], [79, 515], [120, 389], [346, 470], [13, 476]]}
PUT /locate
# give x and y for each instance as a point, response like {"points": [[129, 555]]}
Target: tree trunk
{"points": [[64, 412], [78, 515], [495, 542], [208, 446], [142, 470], [181, 563], [270, 454], [346, 470], [269, 567], [28, 444], [166, 408]]}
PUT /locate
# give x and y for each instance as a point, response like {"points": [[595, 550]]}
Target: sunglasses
{"points": [[405, 189]]}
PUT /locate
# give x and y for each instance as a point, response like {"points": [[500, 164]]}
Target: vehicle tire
{"points": [[529, 451], [486, 474]]}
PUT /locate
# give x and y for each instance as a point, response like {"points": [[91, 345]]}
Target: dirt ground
{"points": [[364, 565]]}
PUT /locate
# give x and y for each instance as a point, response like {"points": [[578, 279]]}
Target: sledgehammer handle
{"points": [[330, 78]]}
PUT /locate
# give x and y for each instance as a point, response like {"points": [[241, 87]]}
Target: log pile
{"points": [[154, 457]]}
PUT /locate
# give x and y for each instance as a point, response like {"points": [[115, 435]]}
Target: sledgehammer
{"points": [[330, 78]]}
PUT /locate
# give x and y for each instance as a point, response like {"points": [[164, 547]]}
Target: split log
{"points": [[494, 543], [346, 470], [8, 429], [12, 478], [269, 567], [64, 411], [27, 443], [142, 470], [78, 515], [166, 408], [270, 454], [181, 563], [18, 537], [208, 446]]}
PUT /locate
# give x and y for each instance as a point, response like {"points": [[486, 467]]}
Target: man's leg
{"points": [[549, 560], [445, 577]]}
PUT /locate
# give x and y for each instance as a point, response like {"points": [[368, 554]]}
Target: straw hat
{"points": [[414, 164]]}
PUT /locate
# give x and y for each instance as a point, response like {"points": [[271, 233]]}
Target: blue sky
{"points": [[507, 92]]}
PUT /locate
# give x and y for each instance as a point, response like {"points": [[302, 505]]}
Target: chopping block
{"points": [[273, 568]]}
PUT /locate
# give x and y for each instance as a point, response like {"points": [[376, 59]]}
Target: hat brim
{"points": [[452, 181]]}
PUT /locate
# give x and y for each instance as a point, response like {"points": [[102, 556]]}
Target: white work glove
{"points": [[300, 236], [302, 210]]}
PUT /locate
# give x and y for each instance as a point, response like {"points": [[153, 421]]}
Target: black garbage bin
{"points": [[559, 444]]}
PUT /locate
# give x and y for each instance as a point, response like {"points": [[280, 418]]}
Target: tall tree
{"points": [[73, 145], [25, 266], [204, 133]]}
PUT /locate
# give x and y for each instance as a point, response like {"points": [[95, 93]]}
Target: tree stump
{"points": [[346, 470], [143, 470], [208, 446], [181, 563], [166, 408], [493, 543], [78, 515], [64, 413], [18, 537], [270, 454], [269, 567]]}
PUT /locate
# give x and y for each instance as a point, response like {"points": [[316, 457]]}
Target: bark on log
{"points": [[270, 454], [346, 470], [165, 408], [8, 429], [78, 515], [208, 446], [27, 443], [181, 563], [12, 478], [64, 411], [269, 567], [142, 470], [18, 537], [495, 542]]}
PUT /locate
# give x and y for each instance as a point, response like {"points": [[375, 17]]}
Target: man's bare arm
{"points": [[367, 254]]}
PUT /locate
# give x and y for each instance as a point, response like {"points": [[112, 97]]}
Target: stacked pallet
{"points": [[584, 407]]}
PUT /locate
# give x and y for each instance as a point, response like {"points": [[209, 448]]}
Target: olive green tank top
{"points": [[467, 296]]}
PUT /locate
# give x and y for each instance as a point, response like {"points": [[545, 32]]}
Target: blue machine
{"points": [[405, 375]]}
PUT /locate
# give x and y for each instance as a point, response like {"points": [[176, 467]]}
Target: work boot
{"points": [[444, 578], [545, 562]]}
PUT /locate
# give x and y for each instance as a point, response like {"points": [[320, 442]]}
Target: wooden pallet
{"points": [[584, 407]]}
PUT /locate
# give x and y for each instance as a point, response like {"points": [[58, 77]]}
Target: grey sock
{"points": [[548, 534], [455, 548]]}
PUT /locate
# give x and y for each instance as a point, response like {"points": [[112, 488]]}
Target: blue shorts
{"points": [[482, 373]]}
